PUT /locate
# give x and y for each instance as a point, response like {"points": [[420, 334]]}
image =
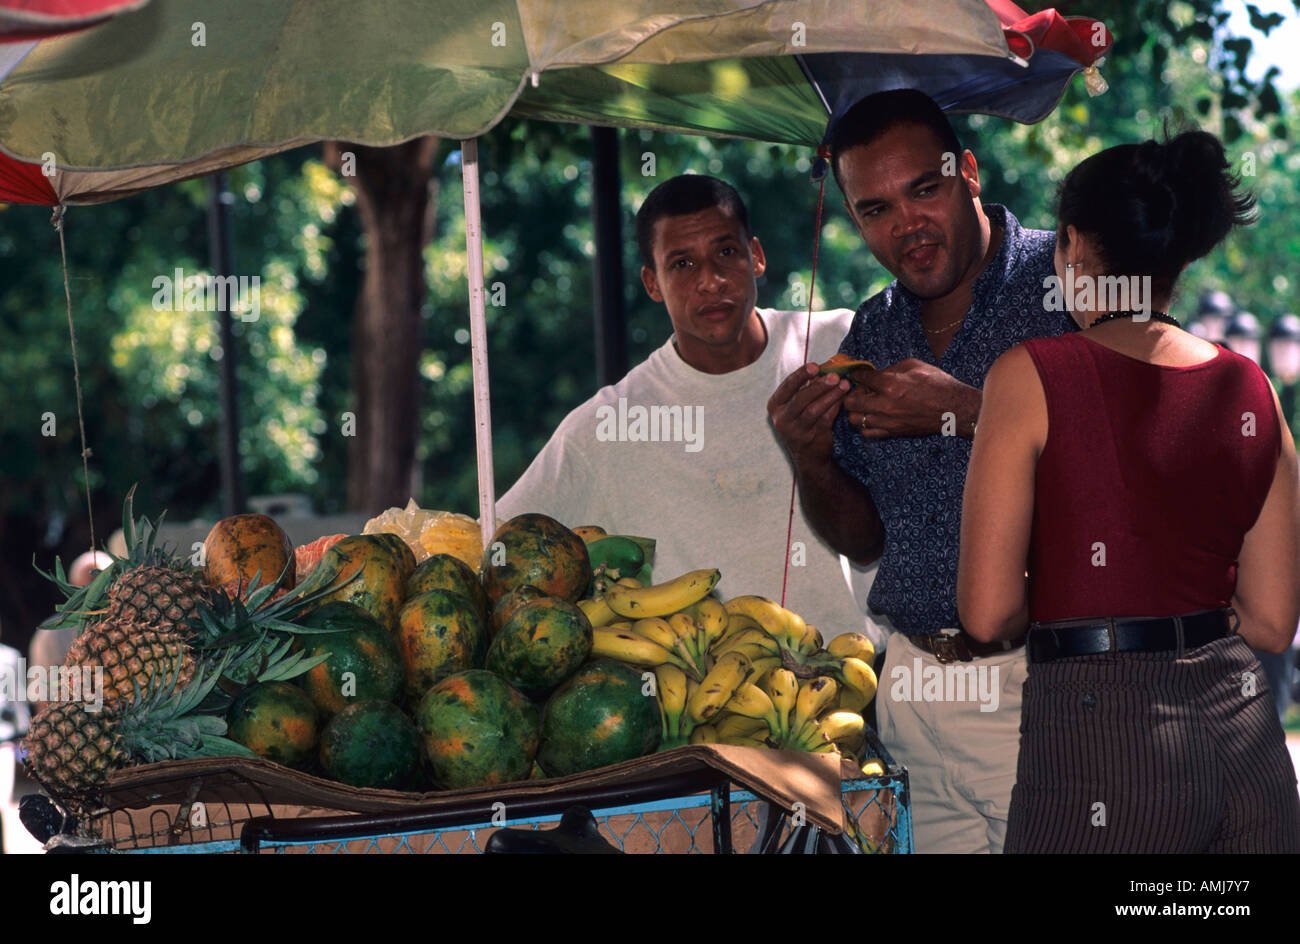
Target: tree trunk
{"points": [[397, 197]]}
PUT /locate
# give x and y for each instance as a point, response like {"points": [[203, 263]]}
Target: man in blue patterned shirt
{"points": [[881, 463]]}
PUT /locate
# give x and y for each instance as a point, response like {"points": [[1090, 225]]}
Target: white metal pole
{"points": [[478, 340]]}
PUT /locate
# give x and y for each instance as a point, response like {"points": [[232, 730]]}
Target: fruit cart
{"points": [[698, 799]]}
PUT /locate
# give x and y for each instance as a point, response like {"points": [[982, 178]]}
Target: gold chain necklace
{"points": [[944, 328]]}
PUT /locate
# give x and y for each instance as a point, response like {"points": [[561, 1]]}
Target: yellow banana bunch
{"points": [[657, 630], [670, 687], [809, 641], [729, 725], [856, 645], [815, 696], [750, 701], [859, 683], [743, 741], [597, 612], [782, 686], [710, 620], [731, 671], [768, 614], [845, 729], [628, 646], [662, 599], [736, 624], [754, 643], [704, 734], [686, 634]]}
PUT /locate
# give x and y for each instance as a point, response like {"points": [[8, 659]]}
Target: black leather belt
{"points": [[1060, 640], [960, 647]]}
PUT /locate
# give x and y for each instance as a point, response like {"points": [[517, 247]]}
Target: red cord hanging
{"points": [[823, 155]]}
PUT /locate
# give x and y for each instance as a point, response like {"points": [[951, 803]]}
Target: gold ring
{"points": [[863, 425]]}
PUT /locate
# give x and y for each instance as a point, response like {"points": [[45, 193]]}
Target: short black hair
{"points": [[874, 115], [1154, 207], [688, 193]]}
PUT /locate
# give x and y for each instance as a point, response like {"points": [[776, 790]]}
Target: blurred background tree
{"points": [[150, 378]]}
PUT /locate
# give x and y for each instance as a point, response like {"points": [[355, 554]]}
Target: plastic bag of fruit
{"points": [[430, 532]]}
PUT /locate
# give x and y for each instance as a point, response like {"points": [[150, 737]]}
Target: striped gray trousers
{"points": [[1152, 753]]}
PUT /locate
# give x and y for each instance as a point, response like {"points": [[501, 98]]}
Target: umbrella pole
{"points": [[478, 340]]}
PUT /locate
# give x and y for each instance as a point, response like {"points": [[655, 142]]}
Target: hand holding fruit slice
{"points": [[841, 364]]}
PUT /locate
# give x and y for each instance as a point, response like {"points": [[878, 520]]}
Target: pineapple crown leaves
{"points": [[276, 665], [163, 722], [142, 549], [234, 622]]}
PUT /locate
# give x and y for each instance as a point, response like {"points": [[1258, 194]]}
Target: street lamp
{"points": [[1212, 315], [1242, 335], [1284, 359]]}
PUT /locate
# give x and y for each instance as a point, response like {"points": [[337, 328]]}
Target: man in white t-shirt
{"points": [[681, 449]]}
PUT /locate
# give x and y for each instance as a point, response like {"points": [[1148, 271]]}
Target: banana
{"points": [[657, 630], [860, 677], [710, 619], [630, 582], [730, 725], [750, 701], [621, 625], [764, 664], [766, 613], [738, 741], [856, 645], [685, 724], [736, 623], [845, 728], [753, 640], [795, 637], [815, 695], [872, 767], [810, 641], [670, 684], [850, 699], [662, 599], [731, 671], [629, 647], [597, 612], [685, 632], [704, 734], [783, 688]]}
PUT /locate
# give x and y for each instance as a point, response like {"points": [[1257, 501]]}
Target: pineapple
{"points": [[147, 588], [159, 596], [71, 750], [131, 656]]}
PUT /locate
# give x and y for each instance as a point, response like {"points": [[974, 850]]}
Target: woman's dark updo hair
{"points": [[1152, 208]]}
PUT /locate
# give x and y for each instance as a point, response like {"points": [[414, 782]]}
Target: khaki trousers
{"points": [[956, 728]]}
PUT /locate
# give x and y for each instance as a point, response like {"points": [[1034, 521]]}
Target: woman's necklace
{"points": [[1153, 315]]}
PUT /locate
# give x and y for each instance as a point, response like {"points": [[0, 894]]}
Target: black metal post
{"points": [[221, 255], [607, 224]]}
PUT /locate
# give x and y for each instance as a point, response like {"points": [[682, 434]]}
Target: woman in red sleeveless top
{"points": [[1144, 482]]}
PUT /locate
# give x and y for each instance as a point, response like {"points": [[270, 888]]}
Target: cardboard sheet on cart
{"points": [[784, 777]]}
